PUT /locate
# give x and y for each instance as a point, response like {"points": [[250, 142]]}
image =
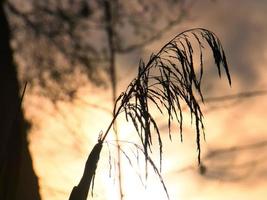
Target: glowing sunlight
{"points": [[207, 83]]}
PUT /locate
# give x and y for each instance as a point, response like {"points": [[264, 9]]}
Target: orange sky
{"points": [[234, 150]]}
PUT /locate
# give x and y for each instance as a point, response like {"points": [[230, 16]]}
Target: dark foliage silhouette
{"points": [[81, 37]]}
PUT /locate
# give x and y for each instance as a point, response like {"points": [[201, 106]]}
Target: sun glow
{"points": [[62, 136], [135, 185]]}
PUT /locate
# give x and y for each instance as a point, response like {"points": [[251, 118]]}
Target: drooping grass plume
{"points": [[169, 79]]}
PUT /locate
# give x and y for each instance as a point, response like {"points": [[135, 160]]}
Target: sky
{"points": [[235, 148]]}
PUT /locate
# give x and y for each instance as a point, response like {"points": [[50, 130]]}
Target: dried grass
{"points": [[168, 79]]}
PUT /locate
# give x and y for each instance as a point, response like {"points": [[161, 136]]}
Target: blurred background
{"points": [[77, 56]]}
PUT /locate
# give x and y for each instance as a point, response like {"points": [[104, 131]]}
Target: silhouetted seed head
{"points": [[169, 78]]}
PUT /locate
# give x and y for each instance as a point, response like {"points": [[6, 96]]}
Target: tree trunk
{"points": [[17, 177]]}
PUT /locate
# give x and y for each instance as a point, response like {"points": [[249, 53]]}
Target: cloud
{"points": [[242, 28]]}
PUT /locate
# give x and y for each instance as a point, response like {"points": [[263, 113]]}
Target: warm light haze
{"points": [[233, 153]]}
